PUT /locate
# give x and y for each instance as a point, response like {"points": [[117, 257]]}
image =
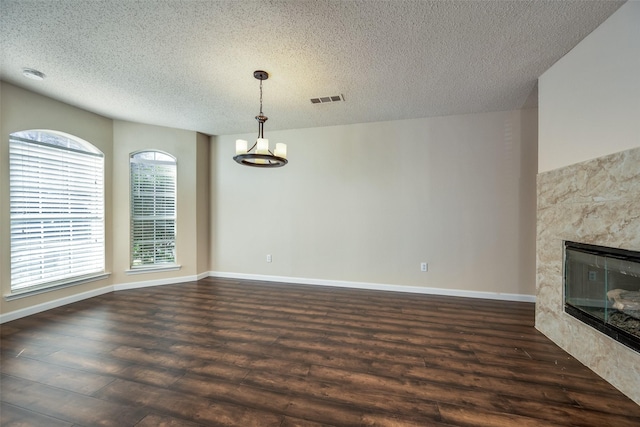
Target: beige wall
{"points": [[369, 202], [23, 110], [185, 146], [590, 99], [363, 203], [203, 213], [590, 109]]}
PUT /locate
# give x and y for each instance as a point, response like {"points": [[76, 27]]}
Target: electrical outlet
{"points": [[423, 266], [593, 276], [269, 259]]}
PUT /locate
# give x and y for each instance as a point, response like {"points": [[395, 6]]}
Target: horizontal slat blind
{"points": [[153, 209], [57, 213]]}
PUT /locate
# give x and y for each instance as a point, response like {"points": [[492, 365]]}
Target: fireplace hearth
{"points": [[602, 289]]}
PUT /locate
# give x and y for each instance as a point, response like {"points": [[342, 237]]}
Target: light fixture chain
{"points": [[261, 97]]}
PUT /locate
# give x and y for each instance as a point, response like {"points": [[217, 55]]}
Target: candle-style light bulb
{"points": [[241, 146], [263, 146], [281, 150]]}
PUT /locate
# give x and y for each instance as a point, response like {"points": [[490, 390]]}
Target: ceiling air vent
{"points": [[325, 99]]}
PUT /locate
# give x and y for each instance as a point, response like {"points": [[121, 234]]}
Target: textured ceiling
{"points": [[189, 64]]}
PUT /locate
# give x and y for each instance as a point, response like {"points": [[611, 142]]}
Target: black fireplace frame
{"points": [[608, 329]]}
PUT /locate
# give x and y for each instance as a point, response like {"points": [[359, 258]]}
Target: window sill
{"points": [[153, 269], [28, 292]]}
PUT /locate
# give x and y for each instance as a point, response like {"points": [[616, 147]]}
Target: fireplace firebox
{"points": [[602, 289]]}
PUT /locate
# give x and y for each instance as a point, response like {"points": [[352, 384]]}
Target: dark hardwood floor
{"points": [[238, 353]]}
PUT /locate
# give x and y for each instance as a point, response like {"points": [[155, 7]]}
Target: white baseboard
{"points": [[202, 275], [377, 286], [28, 311], [17, 314]]}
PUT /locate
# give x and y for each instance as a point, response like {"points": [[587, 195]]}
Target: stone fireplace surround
{"points": [[595, 202]]}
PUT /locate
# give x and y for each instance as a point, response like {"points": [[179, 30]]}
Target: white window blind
{"points": [[56, 187], [153, 209]]}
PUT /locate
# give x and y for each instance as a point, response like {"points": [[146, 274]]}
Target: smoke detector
{"points": [[32, 74]]}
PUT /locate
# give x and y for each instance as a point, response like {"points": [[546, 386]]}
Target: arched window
{"points": [[153, 209], [56, 197]]}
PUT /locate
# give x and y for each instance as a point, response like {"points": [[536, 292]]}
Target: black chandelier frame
{"points": [[266, 160]]}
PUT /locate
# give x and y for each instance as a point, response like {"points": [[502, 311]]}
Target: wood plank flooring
{"points": [[221, 352]]}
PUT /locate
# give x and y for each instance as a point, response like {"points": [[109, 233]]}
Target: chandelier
{"points": [[259, 154]]}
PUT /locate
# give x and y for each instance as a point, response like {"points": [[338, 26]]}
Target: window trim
{"points": [[150, 268], [35, 290]]}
